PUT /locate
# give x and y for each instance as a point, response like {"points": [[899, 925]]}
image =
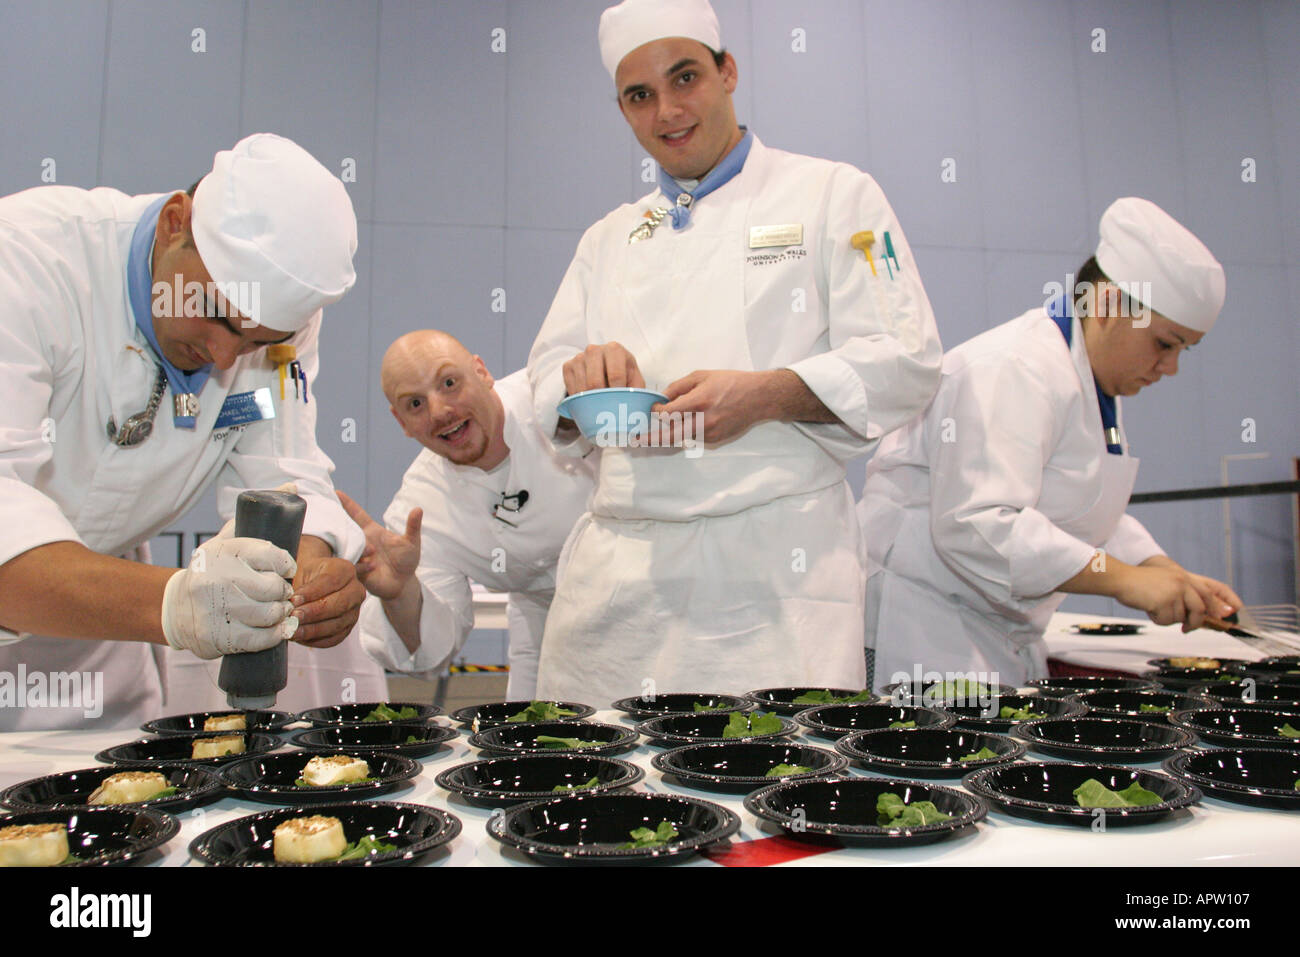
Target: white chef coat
{"points": [[461, 540], [740, 567], [977, 510], [71, 356]]}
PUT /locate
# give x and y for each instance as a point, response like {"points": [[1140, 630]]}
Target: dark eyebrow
{"points": [[219, 314], [675, 68]]}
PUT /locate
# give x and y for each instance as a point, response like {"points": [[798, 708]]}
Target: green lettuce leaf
{"points": [[817, 696], [384, 713], [785, 770], [1020, 714], [1092, 793], [364, 848], [891, 811], [575, 787], [983, 754], [700, 707], [644, 837], [302, 782], [1287, 731], [1155, 707], [960, 688], [741, 725], [541, 711], [903, 724]]}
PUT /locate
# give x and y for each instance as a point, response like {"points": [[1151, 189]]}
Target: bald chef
{"points": [[133, 334], [1011, 490], [487, 500]]}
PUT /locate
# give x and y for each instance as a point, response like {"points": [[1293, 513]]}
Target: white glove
{"points": [[232, 598]]}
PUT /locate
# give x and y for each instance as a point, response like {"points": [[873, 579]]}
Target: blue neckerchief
{"points": [[731, 164], [139, 284], [1059, 311]]}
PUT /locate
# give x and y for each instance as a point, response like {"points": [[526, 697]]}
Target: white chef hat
{"points": [[275, 230], [634, 23], [1157, 260]]}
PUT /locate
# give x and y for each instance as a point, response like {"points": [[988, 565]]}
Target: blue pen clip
{"points": [[889, 250]]}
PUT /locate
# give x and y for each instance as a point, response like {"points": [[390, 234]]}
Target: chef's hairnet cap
{"points": [[634, 23], [1156, 260], [275, 230]]}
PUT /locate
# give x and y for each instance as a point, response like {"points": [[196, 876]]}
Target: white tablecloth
{"points": [[1211, 833]]}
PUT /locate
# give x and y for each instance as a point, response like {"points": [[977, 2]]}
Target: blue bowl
{"points": [[611, 415]]}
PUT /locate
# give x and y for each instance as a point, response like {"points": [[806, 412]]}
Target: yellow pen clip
{"points": [[281, 354], [864, 241]]}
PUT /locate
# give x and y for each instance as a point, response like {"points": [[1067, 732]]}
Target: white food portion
{"points": [[33, 845], [226, 722], [216, 747], [338, 769], [128, 787], [306, 840]]}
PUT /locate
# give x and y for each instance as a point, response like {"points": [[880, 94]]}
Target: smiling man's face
{"points": [[678, 103], [443, 397]]}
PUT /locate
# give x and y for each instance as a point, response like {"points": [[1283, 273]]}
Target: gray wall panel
{"points": [[536, 260], [310, 74], [1128, 107], [921, 103], [799, 79], [169, 107], [1280, 24], [51, 75], [441, 127], [568, 141], [1226, 117], [1030, 145]]}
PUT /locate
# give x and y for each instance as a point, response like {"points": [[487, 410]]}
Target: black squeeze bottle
{"points": [[252, 680]]}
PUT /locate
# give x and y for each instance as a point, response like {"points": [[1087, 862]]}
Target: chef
{"points": [[488, 500], [133, 364], [747, 289], [1010, 491]]}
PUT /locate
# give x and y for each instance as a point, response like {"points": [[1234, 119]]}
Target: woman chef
{"points": [[133, 377], [1011, 489]]}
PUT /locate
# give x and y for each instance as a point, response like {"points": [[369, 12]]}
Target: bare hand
{"points": [[389, 559], [602, 367], [1170, 594], [729, 402], [327, 599]]}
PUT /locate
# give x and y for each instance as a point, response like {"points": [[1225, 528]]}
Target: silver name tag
{"points": [[791, 234]]}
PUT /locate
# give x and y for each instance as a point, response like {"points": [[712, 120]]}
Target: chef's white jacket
{"points": [[979, 509], [71, 356], [742, 566], [462, 539]]}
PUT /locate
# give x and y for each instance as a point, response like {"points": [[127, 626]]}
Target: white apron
{"points": [[770, 595], [1012, 648]]}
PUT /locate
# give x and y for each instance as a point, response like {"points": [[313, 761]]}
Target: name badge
{"points": [[791, 234], [243, 407]]}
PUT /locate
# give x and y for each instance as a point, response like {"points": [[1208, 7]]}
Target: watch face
{"points": [[134, 431]]}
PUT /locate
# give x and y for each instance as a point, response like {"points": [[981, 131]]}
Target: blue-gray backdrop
{"points": [[479, 138]]}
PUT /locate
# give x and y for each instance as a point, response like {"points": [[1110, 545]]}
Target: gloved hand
{"points": [[233, 598]]}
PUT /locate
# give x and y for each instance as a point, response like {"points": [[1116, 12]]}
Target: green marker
{"points": [[889, 250]]}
